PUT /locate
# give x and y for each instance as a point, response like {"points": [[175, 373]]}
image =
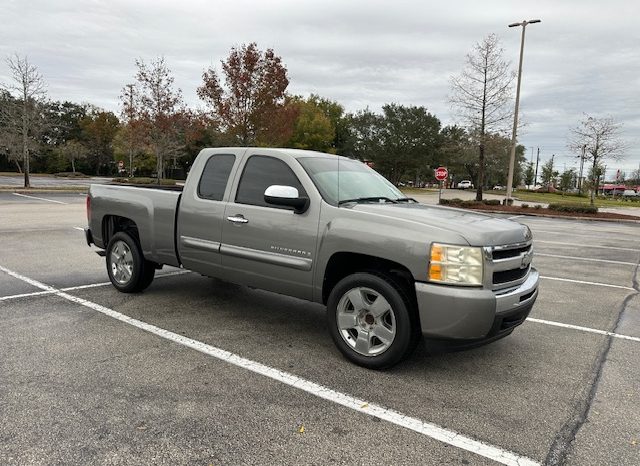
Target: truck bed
{"points": [[152, 208]]}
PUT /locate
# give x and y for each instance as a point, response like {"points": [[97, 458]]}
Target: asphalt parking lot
{"points": [[198, 371]]}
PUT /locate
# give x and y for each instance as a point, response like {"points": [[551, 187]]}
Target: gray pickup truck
{"points": [[326, 229]]}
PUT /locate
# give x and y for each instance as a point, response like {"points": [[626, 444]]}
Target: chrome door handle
{"points": [[238, 219]]}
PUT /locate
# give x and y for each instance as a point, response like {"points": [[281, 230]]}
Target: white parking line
{"points": [[582, 245], [607, 285], [39, 198], [586, 259], [514, 217], [576, 233], [24, 295], [427, 429], [78, 228], [82, 287], [583, 329]]}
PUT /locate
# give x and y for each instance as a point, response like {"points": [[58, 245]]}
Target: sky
{"points": [[582, 59]]}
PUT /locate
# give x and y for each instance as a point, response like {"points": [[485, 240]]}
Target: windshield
{"points": [[357, 180]]}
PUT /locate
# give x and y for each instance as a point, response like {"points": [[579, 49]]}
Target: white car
{"points": [[465, 184]]}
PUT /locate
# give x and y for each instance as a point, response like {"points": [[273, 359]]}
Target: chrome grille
{"points": [[508, 265]]}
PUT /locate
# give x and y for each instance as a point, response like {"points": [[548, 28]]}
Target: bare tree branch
{"points": [[480, 94], [29, 88], [599, 139]]}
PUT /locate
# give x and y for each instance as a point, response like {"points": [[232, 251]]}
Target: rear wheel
{"points": [[127, 268], [370, 320]]}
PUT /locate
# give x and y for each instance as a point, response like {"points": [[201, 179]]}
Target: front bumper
{"points": [[449, 312]]}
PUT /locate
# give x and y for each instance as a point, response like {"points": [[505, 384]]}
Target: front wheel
{"points": [[127, 268], [370, 321]]}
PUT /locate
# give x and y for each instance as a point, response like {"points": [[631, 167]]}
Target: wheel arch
{"points": [[342, 264], [112, 224]]}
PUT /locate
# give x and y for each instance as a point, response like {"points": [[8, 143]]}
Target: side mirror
{"points": [[286, 196]]}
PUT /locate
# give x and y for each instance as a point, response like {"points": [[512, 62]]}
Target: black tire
{"points": [[148, 274], [127, 268], [399, 319]]}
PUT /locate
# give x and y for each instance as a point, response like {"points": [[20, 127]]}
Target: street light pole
{"points": [[515, 114]]}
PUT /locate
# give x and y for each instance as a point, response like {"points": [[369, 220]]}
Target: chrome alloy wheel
{"points": [[366, 321], [121, 262]]}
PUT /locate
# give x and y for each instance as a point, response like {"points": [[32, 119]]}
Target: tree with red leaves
{"points": [[250, 106]]}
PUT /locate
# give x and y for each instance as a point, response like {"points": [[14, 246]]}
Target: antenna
{"points": [[338, 180]]}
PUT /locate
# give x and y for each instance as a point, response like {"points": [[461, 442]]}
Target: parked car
{"points": [[465, 184], [330, 230], [630, 194], [499, 187]]}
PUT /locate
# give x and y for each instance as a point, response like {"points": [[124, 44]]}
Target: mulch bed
{"points": [[550, 213]]}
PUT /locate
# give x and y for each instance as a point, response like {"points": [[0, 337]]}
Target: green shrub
{"points": [[469, 203], [453, 202], [491, 202], [525, 206], [537, 207], [70, 175], [574, 208]]}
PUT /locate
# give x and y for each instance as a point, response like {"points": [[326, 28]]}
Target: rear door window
{"points": [[215, 176]]}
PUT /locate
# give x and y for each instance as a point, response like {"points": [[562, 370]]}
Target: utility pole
{"points": [[582, 157], [515, 113], [131, 91], [535, 178]]}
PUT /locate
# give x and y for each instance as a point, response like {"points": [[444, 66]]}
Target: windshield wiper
{"points": [[406, 199], [367, 199]]}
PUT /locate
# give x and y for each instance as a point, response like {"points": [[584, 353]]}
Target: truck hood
{"points": [[478, 229]]}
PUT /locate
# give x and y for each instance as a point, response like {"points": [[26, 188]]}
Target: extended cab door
{"points": [[267, 246], [201, 209]]}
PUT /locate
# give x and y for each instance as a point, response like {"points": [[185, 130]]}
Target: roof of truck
{"points": [[295, 153]]}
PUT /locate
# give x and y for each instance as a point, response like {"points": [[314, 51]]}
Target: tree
{"points": [[567, 179], [10, 141], [592, 182], [402, 142], [99, 129], [363, 140], [410, 138], [600, 139], [64, 122], [634, 178], [497, 154], [549, 175], [458, 154], [26, 116], [153, 102], [251, 103], [335, 113], [480, 93], [131, 134], [312, 128], [73, 150], [529, 174]]}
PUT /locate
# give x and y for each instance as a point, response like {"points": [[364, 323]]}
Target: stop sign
{"points": [[441, 173]]}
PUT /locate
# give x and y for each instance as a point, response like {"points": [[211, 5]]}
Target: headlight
{"points": [[455, 265]]}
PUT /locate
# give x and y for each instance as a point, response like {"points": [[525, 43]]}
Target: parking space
{"points": [[93, 375]]}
